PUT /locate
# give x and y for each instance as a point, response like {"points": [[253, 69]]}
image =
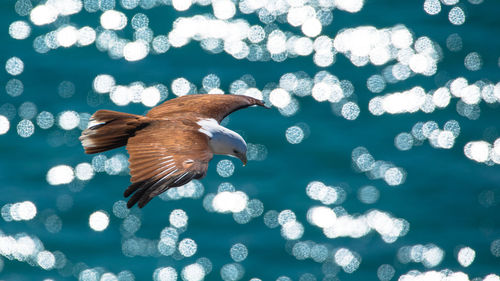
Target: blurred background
{"points": [[379, 159]]}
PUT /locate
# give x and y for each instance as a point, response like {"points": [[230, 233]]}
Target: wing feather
{"points": [[206, 106], [167, 153], [147, 159]]}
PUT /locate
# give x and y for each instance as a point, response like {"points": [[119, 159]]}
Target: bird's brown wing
{"points": [[205, 105], [167, 153]]}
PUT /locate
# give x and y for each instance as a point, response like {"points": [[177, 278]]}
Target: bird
{"points": [[172, 144]]}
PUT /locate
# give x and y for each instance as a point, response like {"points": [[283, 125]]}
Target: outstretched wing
{"points": [[167, 153], [205, 105]]}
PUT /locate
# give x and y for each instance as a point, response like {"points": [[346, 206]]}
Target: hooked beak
{"points": [[243, 158]]}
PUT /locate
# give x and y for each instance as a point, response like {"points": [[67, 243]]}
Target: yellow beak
{"points": [[243, 159]]}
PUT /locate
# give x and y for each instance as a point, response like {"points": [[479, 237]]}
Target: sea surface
{"points": [[378, 159]]}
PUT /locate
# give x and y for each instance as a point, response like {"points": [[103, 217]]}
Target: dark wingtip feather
{"points": [[136, 197], [259, 102], [265, 106], [132, 188], [144, 200], [137, 192], [140, 192]]}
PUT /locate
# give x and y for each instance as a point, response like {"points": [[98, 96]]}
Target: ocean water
{"points": [[378, 160]]}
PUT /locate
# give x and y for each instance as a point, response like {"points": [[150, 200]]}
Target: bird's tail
{"points": [[110, 129]]}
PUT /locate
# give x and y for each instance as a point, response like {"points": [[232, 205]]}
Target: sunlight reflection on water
{"points": [[281, 31]]}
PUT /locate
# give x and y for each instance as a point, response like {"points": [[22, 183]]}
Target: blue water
{"points": [[447, 199]]}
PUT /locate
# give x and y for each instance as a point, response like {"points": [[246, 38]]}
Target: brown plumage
{"points": [[168, 147]]}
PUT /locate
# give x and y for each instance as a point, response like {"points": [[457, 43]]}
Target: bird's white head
{"points": [[224, 141]]}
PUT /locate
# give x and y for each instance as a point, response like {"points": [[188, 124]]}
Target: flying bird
{"points": [[172, 144]]}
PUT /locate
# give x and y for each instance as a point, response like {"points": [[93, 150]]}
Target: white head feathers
{"points": [[222, 140]]}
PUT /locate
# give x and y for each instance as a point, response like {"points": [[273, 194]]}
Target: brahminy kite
{"points": [[172, 144]]}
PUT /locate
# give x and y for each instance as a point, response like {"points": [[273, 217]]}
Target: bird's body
{"points": [[172, 144]]}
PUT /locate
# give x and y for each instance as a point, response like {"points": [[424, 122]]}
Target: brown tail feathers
{"points": [[110, 129]]}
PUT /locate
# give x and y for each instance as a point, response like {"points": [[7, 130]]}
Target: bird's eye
{"points": [[234, 151]]}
